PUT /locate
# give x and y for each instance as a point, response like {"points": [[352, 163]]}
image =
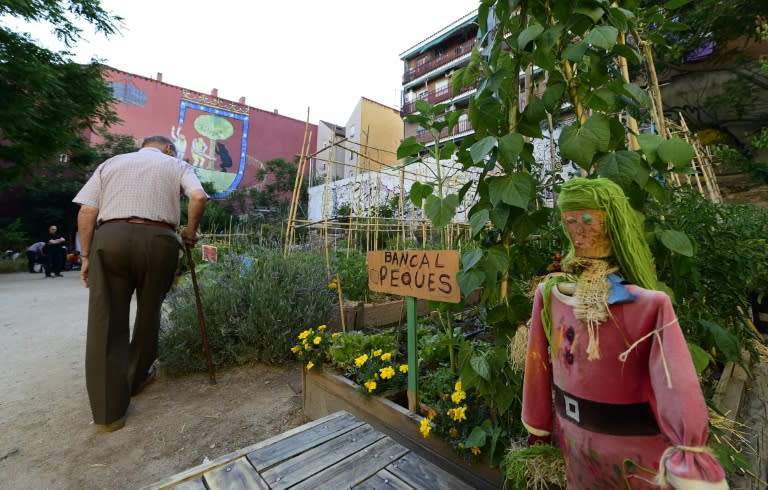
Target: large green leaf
{"points": [[500, 215], [514, 189], [498, 257], [528, 35], [424, 107], [676, 151], [468, 281], [676, 241], [482, 148], [526, 224], [640, 95], [478, 220], [700, 357], [477, 438], [419, 192], [725, 341], [441, 211], [595, 13], [553, 95], [632, 55], [649, 143], [575, 51], [581, 144], [624, 166], [409, 146], [510, 146], [602, 37], [471, 258], [447, 150], [480, 366]]}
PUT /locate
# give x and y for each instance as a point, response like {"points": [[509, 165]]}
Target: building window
{"points": [[128, 93], [351, 132]]}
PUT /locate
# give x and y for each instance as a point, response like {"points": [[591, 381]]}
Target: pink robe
{"points": [[598, 460]]}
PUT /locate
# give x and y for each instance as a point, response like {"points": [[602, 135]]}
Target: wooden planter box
{"points": [[372, 315], [326, 392]]}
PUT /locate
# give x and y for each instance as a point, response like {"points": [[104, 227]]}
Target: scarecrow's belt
{"points": [[632, 419]]}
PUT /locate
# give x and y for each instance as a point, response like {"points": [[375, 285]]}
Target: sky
{"points": [[289, 55]]}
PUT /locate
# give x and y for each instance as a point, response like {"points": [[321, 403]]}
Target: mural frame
{"points": [[185, 104]]}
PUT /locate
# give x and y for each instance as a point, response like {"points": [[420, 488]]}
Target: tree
{"points": [[49, 100]]}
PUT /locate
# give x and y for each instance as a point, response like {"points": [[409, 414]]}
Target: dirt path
{"points": [[47, 439]]}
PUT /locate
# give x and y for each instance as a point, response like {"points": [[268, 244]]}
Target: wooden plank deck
{"points": [[335, 452]]}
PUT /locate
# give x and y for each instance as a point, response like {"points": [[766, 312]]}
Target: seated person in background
{"points": [[35, 256]]}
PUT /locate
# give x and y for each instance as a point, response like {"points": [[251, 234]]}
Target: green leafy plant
{"points": [[712, 273], [248, 319]]}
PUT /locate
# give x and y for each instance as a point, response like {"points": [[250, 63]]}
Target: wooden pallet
{"points": [[334, 452]]}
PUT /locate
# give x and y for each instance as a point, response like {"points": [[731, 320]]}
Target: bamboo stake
{"points": [[296, 191], [631, 122]]}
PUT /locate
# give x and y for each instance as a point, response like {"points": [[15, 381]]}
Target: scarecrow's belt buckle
{"points": [[571, 408]]}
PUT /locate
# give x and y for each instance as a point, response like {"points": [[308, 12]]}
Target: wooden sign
{"points": [[210, 253], [425, 274]]}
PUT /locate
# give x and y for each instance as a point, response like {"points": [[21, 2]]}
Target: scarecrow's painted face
{"points": [[586, 228]]}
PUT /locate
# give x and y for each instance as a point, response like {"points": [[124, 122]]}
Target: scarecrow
{"points": [[628, 410]]}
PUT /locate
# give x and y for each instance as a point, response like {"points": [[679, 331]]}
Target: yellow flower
{"points": [[387, 372], [333, 284], [310, 365], [377, 353], [453, 432], [457, 386], [475, 450], [322, 328], [306, 333], [425, 427], [305, 344], [386, 356], [317, 341], [404, 368], [458, 414], [431, 414], [335, 334], [296, 349], [359, 361], [458, 396], [370, 385]]}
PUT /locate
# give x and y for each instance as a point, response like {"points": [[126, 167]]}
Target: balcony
{"points": [[443, 59], [434, 97], [461, 128]]}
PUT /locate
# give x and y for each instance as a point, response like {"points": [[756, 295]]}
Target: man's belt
{"points": [[632, 419], [141, 221]]}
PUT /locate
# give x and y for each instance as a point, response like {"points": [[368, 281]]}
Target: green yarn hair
{"points": [[628, 246]]}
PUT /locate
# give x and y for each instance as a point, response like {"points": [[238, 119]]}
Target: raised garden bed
{"points": [[325, 392]]}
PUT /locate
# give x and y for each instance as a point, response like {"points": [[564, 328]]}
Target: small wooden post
{"points": [[413, 368]]}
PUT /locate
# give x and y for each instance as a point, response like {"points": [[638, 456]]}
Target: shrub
{"points": [[729, 260], [254, 305]]}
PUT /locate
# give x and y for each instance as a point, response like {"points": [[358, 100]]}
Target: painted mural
{"points": [[214, 141]]}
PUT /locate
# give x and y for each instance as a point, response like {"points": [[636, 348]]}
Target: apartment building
{"points": [[428, 67]]}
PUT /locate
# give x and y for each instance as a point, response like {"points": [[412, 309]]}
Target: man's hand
{"points": [[84, 271], [189, 237]]}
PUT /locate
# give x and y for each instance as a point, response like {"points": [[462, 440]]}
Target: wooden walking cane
{"points": [[203, 333]]}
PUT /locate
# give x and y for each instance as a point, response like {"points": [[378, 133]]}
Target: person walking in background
{"points": [[35, 255], [54, 252], [129, 211]]}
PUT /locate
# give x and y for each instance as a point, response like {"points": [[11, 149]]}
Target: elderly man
{"points": [[128, 216]]}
